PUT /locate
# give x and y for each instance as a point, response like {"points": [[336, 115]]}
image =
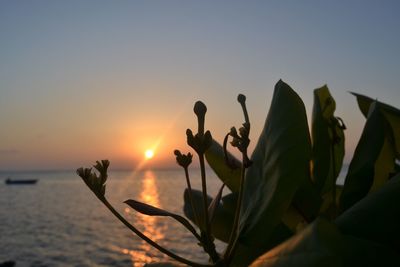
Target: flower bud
{"points": [[243, 132], [200, 110], [235, 142], [102, 167], [241, 98], [94, 182], [182, 159], [84, 173], [233, 132], [190, 138]]}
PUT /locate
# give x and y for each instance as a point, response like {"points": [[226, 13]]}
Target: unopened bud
{"points": [[182, 159], [200, 110], [241, 98]]}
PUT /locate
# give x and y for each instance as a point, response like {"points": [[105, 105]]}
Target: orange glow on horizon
{"points": [[150, 134]]}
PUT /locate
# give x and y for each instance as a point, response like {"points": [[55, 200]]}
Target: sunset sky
{"points": [[87, 80]]}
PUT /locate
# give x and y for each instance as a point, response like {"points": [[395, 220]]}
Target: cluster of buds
{"points": [[240, 140], [182, 159], [202, 140], [95, 182]]}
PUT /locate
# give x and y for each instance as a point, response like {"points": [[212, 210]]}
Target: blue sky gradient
{"points": [[85, 80]]}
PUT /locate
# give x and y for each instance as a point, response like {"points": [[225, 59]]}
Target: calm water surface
{"points": [[59, 222]]}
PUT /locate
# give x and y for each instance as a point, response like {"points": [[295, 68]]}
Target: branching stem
{"points": [[148, 240], [209, 245], [235, 227]]}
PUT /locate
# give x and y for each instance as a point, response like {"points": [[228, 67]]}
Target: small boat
{"points": [[20, 181]]}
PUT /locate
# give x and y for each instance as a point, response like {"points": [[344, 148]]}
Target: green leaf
{"points": [[328, 141], [304, 208], [327, 158], [154, 211], [322, 244], [280, 165], [306, 202], [215, 203], [329, 206], [372, 163], [391, 114], [245, 254], [216, 159], [221, 224], [377, 217], [230, 202]]}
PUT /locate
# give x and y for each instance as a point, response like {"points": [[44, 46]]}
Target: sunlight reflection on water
{"points": [[148, 195]]}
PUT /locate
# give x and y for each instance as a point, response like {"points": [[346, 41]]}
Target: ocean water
{"points": [[59, 221]]}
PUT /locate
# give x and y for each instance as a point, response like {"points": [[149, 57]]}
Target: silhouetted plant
{"points": [[285, 207]]}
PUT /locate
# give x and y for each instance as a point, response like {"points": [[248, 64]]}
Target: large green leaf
{"points": [[230, 201], [221, 224], [372, 163], [327, 159], [216, 159], [306, 202], [328, 141], [329, 205], [280, 165], [377, 217], [304, 208], [392, 115], [245, 254], [322, 244]]}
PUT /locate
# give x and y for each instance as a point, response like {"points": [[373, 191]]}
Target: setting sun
{"points": [[149, 153]]}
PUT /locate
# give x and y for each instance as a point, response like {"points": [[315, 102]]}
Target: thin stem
{"points": [[204, 191], [242, 101], [148, 240], [209, 246], [233, 237], [196, 218]]}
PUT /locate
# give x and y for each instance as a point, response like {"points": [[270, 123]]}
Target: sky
{"points": [[87, 80]]}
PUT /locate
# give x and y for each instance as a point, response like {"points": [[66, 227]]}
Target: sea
{"points": [[59, 221]]}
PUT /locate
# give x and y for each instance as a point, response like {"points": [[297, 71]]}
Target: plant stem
{"points": [[233, 237], [204, 191], [196, 218], [148, 240], [209, 246]]}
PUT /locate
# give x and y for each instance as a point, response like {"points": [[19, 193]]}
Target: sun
{"points": [[149, 153]]}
